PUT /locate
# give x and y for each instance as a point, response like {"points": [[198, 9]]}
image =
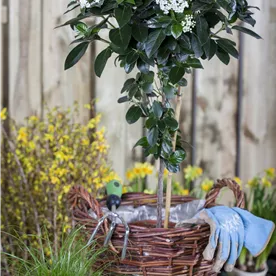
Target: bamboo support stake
{"points": [[170, 174]]}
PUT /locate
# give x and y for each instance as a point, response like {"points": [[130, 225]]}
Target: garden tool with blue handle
{"points": [[113, 201], [231, 229]]}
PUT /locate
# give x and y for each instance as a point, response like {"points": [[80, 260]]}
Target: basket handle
{"points": [[232, 185]]}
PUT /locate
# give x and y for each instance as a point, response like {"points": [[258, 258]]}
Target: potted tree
{"points": [[261, 201], [165, 40], [166, 35]]}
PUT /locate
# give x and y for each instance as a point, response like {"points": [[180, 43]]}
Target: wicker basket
{"points": [[152, 251]]}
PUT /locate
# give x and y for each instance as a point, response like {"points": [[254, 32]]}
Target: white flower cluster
{"points": [[84, 4], [188, 23], [89, 4], [175, 5]]}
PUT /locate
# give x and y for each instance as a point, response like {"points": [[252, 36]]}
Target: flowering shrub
{"points": [[40, 162]]}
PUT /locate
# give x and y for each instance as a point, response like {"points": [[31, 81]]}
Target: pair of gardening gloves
{"points": [[231, 230]]}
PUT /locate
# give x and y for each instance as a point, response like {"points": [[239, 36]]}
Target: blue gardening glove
{"points": [[231, 229]]}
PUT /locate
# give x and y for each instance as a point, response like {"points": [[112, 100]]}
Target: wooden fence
{"points": [[228, 113]]}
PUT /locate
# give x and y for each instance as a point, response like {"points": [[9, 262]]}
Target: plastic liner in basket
{"points": [[178, 213]]}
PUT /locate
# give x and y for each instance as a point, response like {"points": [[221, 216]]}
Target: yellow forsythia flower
{"points": [[253, 183], [4, 114], [22, 135]]}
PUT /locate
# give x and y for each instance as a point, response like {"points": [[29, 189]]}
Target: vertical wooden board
{"points": [[216, 108], [1, 53], [259, 126], [62, 88], [120, 136], [24, 58]]}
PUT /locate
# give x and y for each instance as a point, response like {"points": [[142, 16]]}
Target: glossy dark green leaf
{"points": [[202, 29], [129, 67], [228, 47], [120, 37], [161, 125], [142, 66], [157, 109], [150, 122], [147, 87], [132, 56], [153, 136], [223, 56], [154, 41], [176, 74], [177, 157], [75, 55], [194, 63], [159, 22], [196, 46], [167, 146], [133, 114], [128, 83], [142, 142], [176, 30], [123, 15], [171, 123], [101, 60], [169, 91], [174, 168], [246, 31], [139, 32], [123, 99], [212, 49]]}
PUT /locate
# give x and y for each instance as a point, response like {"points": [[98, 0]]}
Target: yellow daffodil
{"points": [[238, 180], [191, 173], [266, 183], [184, 192], [207, 184], [270, 173]]}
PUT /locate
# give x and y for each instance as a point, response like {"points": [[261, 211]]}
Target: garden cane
{"points": [[114, 193]]}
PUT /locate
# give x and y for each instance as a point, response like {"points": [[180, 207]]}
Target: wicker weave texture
{"points": [[152, 251]]}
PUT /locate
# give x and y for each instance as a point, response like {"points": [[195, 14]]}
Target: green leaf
{"points": [[223, 56], [121, 37], [194, 63], [123, 99], [196, 46], [142, 142], [142, 66], [176, 74], [153, 136], [132, 57], [169, 91], [154, 41], [202, 29], [228, 47], [171, 123], [157, 109], [150, 122], [123, 15], [212, 49], [177, 157], [176, 30], [133, 114], [128, 83], [101, 60], [246, 31], [75, 55], [174, 168], [139, 32]]}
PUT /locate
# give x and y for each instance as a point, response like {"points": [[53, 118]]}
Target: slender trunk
{"points": [[160, 193], [169, 179]]}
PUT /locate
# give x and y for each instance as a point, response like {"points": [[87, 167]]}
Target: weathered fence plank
{"points": [[62, 87], [259, 113], [216, 108], [24, 58]]}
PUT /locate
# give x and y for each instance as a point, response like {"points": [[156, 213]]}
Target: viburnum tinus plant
{"points": [[170, 36]]}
